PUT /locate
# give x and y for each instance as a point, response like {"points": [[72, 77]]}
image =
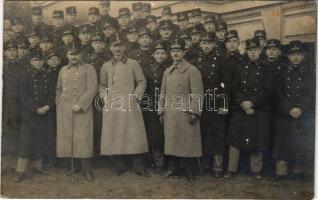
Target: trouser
{"points": [[84, 163], [282, 168], [217, 165], [24, 163], [256, 160], [121, 162], [188, 163]]}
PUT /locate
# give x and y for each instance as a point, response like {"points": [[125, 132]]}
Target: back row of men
{"points": [[249, 100]]}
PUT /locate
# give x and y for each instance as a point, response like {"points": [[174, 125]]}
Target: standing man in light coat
{"points": [[180, 106], [122, 85], [75, 92]]}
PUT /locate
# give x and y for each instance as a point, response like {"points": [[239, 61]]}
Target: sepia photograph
{"points": [[190, 99]]}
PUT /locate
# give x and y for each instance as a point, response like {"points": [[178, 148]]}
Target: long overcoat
{"points": [[76, 85], [181, 94]]}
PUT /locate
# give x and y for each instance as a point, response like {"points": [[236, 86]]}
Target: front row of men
{"points": [[198, 104]]}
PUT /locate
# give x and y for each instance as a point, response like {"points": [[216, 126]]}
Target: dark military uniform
{"points": [[42, 29], [220, 24], [122, 32], [154, 34]]}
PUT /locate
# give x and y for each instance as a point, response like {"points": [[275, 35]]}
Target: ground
{"points": [[128, 185]]}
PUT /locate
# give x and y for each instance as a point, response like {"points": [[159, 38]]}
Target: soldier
{"points": [[167, 15], [19, 30], [183, 22], [132, 39], [37, 22], [68, 37], [208, 24], [24, 54], [85, 37], [104, 8], [8, 34], [195, 49], [58, 26], [109, 35], [165, 31], [274, 55], [124, 21], [34, 41], [138, 15], [46, 46], [151, 24], [124, 77], [195, 19], [11, 117], [70, 18], [35, 102], [249, 122], [75, 92], [182, 136], [93, 19], [220, 30], [296, 99], [261, 35], [147, 9]]}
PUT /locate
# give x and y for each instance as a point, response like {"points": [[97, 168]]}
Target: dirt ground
{"points": [[128, 185]]}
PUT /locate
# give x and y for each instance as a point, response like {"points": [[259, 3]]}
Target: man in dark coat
{"points": [[70, 18], [249, 122], [124, 22], [37, 22], [104, 8], [220, 30], [296, 100], [58, 28], [138, 15], [195, 49], [167, 16], [85, 36], [93, 20], [152, 25], [19, 29], [132, 37], [24, 55], [109, 35]]}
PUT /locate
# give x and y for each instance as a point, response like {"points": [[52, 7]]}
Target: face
{"points": [[58, 22], [18, 28], [207, 46], [232, 44], [6, 24], [152, 26], [46, 46], [273, 53], [37, 63], [160, 55], [67, 39], [196, 19], [296, 57], [196, 38], [132, 37], [220, 34], [34, 40], [209, 27], [53, 61], [254, 53], [118, 49], [109, 32], [177, 54], [85, 37], [104, 9], [124, 20], [23, 52], [37, 19], [93, 18], [145, 40], [10, 53], [74, 58], [70, 18], [165, 33], [98, 46], [183, 23]]}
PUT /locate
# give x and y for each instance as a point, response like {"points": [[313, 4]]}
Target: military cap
{"points": [[252, 43], [17, 20], [93, 11], [84, 29], [74, 47], [70, 10], [132, 29], [260, 34], [165, 24], [231, 34], [295, 46], [36, 10], [151, 18], [147, 7], [46, 39], [97, 37], [10, 44], [58, 14], [104, 2], [67, 32], [37, 54], [137, 6], [182, 16], [220, 24], [195, 12], [209, 19], [124, 11], [273, 43], [23, 45], [144, 31], [177, 43], [208, 37], [160, 45], [166, 10], [34, 34], [51, 54]]}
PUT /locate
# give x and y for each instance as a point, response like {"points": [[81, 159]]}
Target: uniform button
{"points": [[155, 81], [257, 73], [297, 87], [287, 78], [75, 87], [299, 79], [76, 73], [64, 88], [213, 65], [200, 59], [246, 67], [297, 95], [214, 58], [244, 90], [244, 82], [75, 79], [288, 86], [287, 95], [255, 89]]}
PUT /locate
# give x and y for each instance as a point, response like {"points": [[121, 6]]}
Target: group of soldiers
{"points": [[142, 89]]}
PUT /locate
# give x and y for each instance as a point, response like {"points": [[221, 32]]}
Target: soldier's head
{"points": [[23, 49], [34, 39], [187, 40], [10, 50], [124, 17], [160, 53], [109, 29], [177, 49], [36, 15], [151, 23], [74, 54], [46, 43], [232, 41], [58, 18], [183, 20], [137, 10], [207, 42], [104, 7], [132, 35], [145, 38], [6, 24], [53, 60], [17, 25], [208, 24], [118, 48], [98, 43], [253, 49], [165, 29], [93, 15], [195, 16], [261, 36], [195, 35], [85, 35], [68, 37], [147, 9], [273, 49], [37, 60], [70, 14], [295, 52], [220, 29], [166, 13]]}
